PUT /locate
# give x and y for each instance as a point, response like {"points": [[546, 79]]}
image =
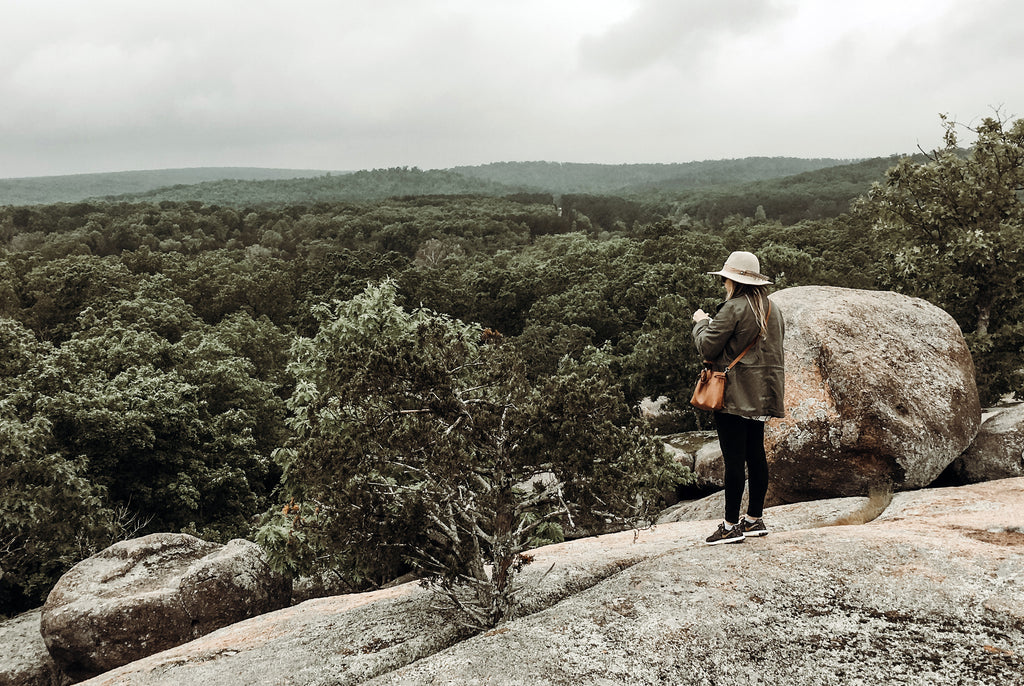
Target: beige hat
{"points": [[743, 267]]}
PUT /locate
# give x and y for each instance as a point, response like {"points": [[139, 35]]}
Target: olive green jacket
{"points": [[756, 385]]}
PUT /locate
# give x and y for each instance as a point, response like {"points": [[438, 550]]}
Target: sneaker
{"points": [[725, 534], [752, 528]]}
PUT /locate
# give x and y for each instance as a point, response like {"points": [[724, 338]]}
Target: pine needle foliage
{"points": [[418, 442]]}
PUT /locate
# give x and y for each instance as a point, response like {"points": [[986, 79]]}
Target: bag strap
{"points": [[747, 349]]}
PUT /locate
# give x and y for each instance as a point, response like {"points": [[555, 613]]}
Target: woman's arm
{"points": [[711, 335]]}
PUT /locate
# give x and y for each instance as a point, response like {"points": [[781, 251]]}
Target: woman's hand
{"points": [[700, 315]]}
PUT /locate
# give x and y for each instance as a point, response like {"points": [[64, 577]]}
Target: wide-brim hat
{"points": [[743, 267]]}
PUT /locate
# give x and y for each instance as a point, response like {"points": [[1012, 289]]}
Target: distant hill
{"points": [[249, 186], [376, 184], [42, 190], [809, 195], [619, 179], [499, 178], [788, 189]]}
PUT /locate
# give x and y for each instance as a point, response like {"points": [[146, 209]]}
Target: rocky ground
{"points": [[24, 660], [930, 592]]}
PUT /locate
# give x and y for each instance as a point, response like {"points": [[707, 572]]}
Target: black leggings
{"points": [[742, 441]]}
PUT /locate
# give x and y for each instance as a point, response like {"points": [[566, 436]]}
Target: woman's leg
{"points": [[733, 441], [757, 467]]}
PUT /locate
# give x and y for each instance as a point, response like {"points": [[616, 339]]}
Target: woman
{"points": [[753, 392]]}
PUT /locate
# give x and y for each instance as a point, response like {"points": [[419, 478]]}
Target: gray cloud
{"points": [[119, 84], [679, 31]]}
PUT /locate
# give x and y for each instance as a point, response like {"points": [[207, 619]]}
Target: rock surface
{"points": [[708, 466], [997, 452], [929, 593], [927, 599], [783, 517], [24, 660], [148, 594], [880, 391], [709, 507]]}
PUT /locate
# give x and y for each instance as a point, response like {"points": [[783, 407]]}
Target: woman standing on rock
{"points": [[753, 392]]}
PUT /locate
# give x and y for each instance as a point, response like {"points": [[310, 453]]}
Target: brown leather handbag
{"points": [[710, 391]]}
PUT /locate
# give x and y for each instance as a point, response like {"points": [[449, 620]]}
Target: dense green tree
{"points": [[663, 360], [258, 340], [844, 251], [217, 283], [175, 419], [181, 432], [955, 227], [56, 291], [51, 514], [418, 441]]}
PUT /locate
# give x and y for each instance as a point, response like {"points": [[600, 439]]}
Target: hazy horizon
{"points": [[352, 171]]}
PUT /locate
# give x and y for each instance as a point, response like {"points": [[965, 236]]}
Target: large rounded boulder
{"points": [[148, 594], [880, 393]]}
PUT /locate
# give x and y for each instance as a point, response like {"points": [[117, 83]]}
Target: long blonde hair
{"points": [[757, 296]]}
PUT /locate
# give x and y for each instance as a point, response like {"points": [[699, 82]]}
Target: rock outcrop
{"points": [[708, 467], [148, 594], [792, 517], [997, 452], [24, 660], [699, 452], [926, 599], [880, 392], [928, 593]]}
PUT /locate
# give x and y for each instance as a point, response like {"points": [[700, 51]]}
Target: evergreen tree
{"points": [[420, 441]]}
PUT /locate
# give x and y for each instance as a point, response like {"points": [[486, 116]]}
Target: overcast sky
{"points": [[110, 85]]}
